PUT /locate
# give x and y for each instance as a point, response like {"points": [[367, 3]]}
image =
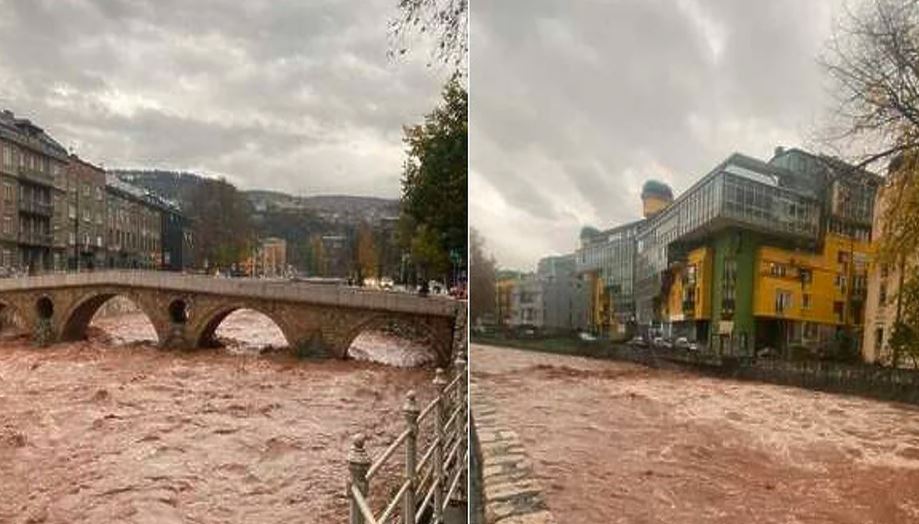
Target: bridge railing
{"points": [[433, 475]]}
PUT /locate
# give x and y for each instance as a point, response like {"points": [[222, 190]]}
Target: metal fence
{"points": [[866, 380], [430, 482]]}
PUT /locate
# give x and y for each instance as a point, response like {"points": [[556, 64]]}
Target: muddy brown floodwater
{"points": [[619, 443], [115, 430]]}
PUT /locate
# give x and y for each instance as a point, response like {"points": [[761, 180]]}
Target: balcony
{"points": [[35, 238], [35, 176], [35, 207]]}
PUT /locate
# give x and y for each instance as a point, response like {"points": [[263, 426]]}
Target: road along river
{"points": [[114, 430], [620, 443]]}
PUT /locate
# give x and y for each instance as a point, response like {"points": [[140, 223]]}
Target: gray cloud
{"points": [[290, 95], [576, 104]]}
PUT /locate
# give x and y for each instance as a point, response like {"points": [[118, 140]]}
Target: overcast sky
{"points": [[575, 104], [291, 95]]}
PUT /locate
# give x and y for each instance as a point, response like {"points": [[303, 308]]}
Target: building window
{"points": [[840, 282], [782, 301], [777, 270], [838, 310], [884, 270], [878, 339], [807, 276], [72, 212], [882, 294], [805, 301], [7, 192]]}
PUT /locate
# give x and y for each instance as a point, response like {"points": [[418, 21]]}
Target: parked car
{"points": [[681, 343], [662, 343], [638, 342], [767, 352], [586, 337]]}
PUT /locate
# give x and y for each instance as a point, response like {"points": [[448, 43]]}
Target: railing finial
{"points": [[358, 463], [440, 379], [358, 456], [411, 404]]}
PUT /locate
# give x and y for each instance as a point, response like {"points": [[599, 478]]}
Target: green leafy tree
{"points": [[428, 253], [434, 184], [223, 228], [904, 340]]}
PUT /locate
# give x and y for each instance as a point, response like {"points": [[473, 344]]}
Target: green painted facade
{"points": [[741, 247]]}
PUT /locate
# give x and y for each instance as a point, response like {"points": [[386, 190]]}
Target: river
{"points": [[112, 429], [620, 443]]}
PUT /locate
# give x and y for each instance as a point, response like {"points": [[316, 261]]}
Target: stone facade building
{"points": [[59, 212], [882, 304], [31, 168], [84, 223], [134, 237]]}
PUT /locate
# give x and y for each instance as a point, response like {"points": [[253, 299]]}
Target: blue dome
{"points": [[655, 188]]}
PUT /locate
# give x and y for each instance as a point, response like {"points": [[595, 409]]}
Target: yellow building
{"points": [[807, 296], [688, 307], [504, 288]]}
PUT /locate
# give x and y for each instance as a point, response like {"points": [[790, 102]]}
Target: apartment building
{"points": [[31, 176]]}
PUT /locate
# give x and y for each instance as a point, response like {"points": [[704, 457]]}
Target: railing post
{"points": [[358, 463], [439, 382], [411, 457], [460, 366]]}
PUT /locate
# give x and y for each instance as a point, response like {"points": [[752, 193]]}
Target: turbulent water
{"points": [[619, 443], [115, 430]]}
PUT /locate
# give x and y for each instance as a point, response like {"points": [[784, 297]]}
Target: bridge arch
{"points": [[78, 317], [210, 321], [439, 352], [12, 314]]}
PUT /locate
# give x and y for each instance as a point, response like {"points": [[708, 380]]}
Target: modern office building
{"points": [[754, 254], [605, 262]]}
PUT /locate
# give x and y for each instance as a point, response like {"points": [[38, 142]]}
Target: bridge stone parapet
{"points": [[186, 309]]}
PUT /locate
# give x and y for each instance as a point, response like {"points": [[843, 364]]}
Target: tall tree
{"points": [[368, 257], [873, 58], [434, 184], [221, 218], [482, 278], [447, 22]]}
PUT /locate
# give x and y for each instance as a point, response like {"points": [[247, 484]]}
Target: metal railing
{"points": [[427, 484]]}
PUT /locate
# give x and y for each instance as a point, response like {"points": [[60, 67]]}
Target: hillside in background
{"points": [[301, 220], [179, 186]]}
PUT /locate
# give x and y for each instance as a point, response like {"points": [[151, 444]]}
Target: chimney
{"points": [[779, 151]]}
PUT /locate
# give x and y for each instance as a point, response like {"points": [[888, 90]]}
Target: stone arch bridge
{"points": [[185, 309]]}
